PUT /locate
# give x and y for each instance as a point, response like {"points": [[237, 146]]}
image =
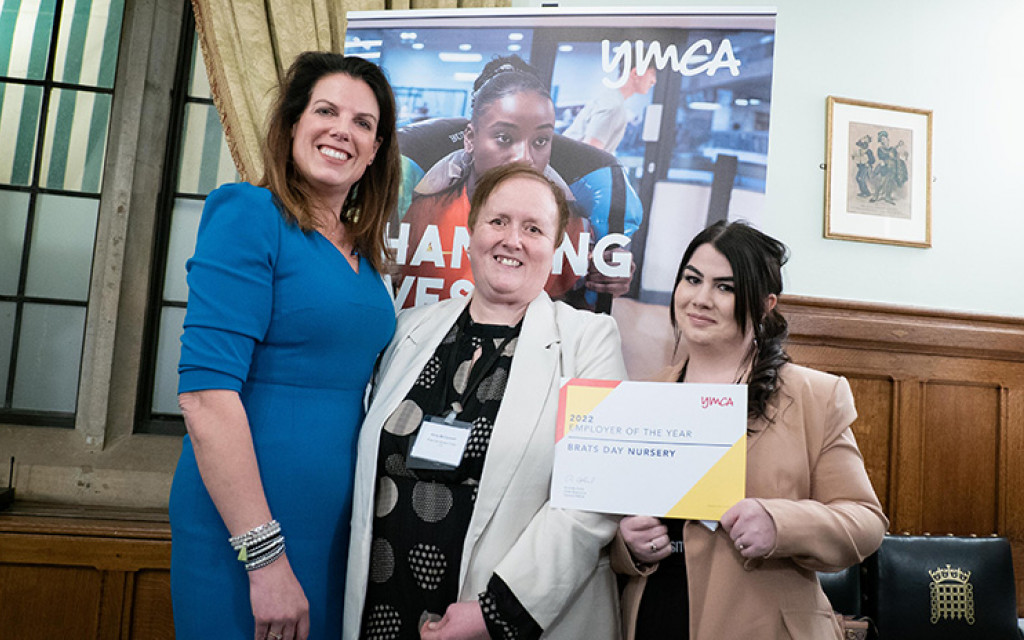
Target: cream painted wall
{"points": [[966, 64]]}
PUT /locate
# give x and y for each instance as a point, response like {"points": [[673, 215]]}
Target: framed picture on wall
{"points": [[878, 173]]}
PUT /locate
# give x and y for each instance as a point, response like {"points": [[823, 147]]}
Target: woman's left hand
{"points": [[751, 528], [461, 621]]}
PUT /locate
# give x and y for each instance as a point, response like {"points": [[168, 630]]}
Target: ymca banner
{"points": [[655, 122]]}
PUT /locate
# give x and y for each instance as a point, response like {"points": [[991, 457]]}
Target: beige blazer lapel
{"points": [[536, 368], [772, 412]]}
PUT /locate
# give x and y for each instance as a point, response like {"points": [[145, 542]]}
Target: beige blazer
{"points": [[554, 560], [806, 470]]}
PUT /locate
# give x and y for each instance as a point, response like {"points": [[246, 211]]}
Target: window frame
{"points": [[34, 189], [146, 420], [102, 460]]}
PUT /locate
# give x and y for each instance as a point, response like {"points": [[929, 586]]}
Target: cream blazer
{"points": [[555, 561], [806, 470]]}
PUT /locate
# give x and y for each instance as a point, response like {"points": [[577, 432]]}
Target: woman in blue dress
{"points": [[286, 315]]}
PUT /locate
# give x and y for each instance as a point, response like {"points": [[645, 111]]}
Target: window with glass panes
{"points": [[57, 65], [198, 161]]}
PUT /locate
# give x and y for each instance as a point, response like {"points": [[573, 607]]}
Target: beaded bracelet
{"points": [[275, 551], [256, 540], [261, 548], [262, 532]]}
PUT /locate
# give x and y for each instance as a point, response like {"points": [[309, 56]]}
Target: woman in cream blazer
{"points": [[554, 561]]}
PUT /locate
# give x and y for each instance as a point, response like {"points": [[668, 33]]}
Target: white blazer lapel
{"points": [[410, 354], [418, 333], [401, 366], [535, 372]]}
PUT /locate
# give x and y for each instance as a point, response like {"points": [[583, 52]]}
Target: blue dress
{"points": [[278, 315]]}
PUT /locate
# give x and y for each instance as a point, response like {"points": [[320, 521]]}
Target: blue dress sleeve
{"points": [[230, 280]]}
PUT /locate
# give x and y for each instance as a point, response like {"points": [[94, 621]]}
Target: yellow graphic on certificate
{"points": [[650, 448]]}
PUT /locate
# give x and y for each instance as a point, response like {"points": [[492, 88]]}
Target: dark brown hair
{"points": [[490, 180], [374, 197]]}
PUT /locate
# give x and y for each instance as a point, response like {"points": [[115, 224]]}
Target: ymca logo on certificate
{"points": [[650, 448]]}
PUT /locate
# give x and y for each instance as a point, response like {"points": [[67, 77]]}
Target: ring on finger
{"points": [[274, 636], [741, 546], [654, 547]]}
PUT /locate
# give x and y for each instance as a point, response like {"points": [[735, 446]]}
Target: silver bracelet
{"points": [[272, 549], [275, 552], [254, 541], [256, 534], [255, 551]]}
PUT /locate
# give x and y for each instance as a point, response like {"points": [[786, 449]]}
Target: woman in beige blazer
{"points": [[810, 505], [470, 548]]}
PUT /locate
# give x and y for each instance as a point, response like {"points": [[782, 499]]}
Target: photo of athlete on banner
{"points": [[655, 123]]}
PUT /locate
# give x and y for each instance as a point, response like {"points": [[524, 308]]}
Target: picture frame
{"points": [[878, 173]]}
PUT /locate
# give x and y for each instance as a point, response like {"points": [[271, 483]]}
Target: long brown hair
{"points": [[374, 197]]}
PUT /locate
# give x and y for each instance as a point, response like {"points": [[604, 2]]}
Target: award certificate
{"points": [[650, 448]]}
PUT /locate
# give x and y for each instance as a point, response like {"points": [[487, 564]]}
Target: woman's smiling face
{"points": [[512, 246], [335, 138], [705, 301]]}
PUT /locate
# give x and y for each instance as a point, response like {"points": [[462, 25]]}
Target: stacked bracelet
{"points": [[259, 546]]}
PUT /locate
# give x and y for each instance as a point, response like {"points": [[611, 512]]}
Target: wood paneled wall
{"points": [[67, 573], [940, 400]]}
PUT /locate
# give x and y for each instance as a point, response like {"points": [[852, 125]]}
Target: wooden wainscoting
{"points": [[941, 403], [940, 398], [84, 573]]}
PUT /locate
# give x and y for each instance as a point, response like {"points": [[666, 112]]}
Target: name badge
{"points": [[439, 444]]}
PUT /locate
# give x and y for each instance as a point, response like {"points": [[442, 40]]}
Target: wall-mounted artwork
{"points": [[878, 173]]}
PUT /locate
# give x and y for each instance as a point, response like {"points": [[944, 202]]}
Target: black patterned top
{"points": [[422, 516]]}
